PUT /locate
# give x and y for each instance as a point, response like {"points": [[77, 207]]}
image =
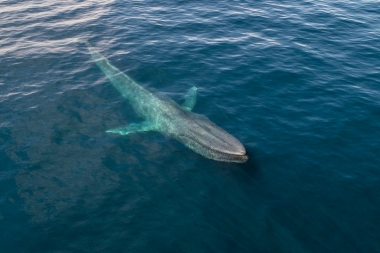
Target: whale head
{"points": [[204, 137]]}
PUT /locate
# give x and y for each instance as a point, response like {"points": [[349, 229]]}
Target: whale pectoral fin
{"points": [[191, 99], [132, 128]]}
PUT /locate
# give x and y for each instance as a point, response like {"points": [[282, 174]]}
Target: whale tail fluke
{"points": [[83, 40], [95, 55]]}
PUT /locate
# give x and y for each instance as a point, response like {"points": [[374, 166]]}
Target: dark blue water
{"points": [[297, 82]]}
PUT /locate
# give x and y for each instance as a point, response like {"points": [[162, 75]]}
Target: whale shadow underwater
{"points": [[164, 115]]}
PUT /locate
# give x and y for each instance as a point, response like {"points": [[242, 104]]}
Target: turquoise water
{"points": [[296, 82]]}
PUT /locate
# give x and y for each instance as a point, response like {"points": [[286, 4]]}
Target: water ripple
{"points": [[296, 82]]}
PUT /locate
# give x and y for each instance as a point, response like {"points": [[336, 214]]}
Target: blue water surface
{"points": [[297, 82]]}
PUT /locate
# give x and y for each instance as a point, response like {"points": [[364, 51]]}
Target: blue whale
{"points": [[162, 114]]}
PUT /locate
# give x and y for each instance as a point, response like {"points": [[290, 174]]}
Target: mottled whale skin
{"points": [[162, 114]]}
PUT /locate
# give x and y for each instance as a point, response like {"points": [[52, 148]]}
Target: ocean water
{"points": [[297, 82]]}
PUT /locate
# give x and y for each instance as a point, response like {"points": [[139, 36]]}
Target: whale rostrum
{"points": [[162, 114]]}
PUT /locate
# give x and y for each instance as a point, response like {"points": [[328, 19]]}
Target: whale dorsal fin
{"points": [[133, 128], [190, 99]]}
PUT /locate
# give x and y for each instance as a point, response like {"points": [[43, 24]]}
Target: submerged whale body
{"points": [[162, 114]]}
